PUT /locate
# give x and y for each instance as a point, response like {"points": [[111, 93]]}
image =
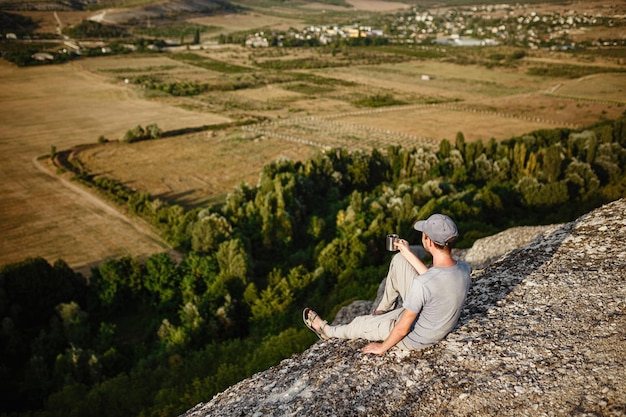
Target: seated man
{"points": [[432, 297]]}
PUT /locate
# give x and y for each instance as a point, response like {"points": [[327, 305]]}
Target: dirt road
{"points": [[63, 106]]}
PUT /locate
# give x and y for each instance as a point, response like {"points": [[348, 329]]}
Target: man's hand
{"points": [[375, 348], [402, 245], [401, 329], [404, 248]]}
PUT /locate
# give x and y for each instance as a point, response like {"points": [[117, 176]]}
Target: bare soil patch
{"points": [[50, 21], [377, 5], [247, 21], [444, 81], [363, 5], [444, 122], [598, 87]]}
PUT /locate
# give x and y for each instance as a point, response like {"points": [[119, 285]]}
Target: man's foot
{"points": [[313, 321], [318, 324]]}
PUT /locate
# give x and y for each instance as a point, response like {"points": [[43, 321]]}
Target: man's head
{"points": [[439, 228]]}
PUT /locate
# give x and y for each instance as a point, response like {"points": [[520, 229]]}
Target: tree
{"points": [[31, 335], [536, 194], [342, 254], [399, 212], [583, 145], [483, 168], [502, 170], [233, 261], [116, 282], [209, 231], [31, 290], [520, 153], [444, 148], [162, 277], [421, 163], [581, 181], [492, 148], [75, 323], [619, 130], [609, 158], [359, 170], [276, 228], [196, 271], [552, 158], [153, 131], [274, 299], [472, 151], [379, 169], [531, 165], [459, 143], [491, 203], [133, 135], [175, 338]]}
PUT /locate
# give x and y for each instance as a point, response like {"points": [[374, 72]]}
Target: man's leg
{"points": [[398, 282], [370, 327]]}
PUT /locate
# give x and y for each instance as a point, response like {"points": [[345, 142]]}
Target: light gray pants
{"points": [[378, 327]]}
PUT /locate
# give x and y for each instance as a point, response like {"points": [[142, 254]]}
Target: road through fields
{"points": [[62, 106]]}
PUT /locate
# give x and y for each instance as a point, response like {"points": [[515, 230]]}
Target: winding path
{"points": [[41, 214]]}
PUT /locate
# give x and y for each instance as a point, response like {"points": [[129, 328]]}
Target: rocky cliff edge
{"points": [[543, 333]]}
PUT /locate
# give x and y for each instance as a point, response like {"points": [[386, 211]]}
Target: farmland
{"points": [[290, 113], [302, 117]]}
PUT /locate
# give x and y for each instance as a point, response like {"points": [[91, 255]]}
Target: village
{"points": [[519, 25], [513, 25]]}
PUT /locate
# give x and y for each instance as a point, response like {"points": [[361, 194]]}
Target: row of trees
{"points": [[180, 31], [138, 133], [89, 29], [527, 180], [156, 336]]}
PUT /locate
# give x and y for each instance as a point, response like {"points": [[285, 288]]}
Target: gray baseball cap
{"points": [[439, 228]]}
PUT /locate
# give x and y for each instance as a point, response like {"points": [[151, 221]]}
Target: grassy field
{"points": [[299, 113]]}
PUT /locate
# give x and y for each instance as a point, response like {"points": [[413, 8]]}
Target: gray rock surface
{"points": [[489, 249], [543, 333]]}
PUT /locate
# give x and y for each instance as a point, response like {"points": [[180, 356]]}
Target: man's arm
{"points": [[403, 247], [399, 331]]}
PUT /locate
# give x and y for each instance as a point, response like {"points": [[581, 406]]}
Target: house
{"points": [[257, 41], [42, 56]]}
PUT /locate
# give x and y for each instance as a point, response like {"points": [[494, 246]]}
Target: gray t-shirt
{"points": [[437, 296]]}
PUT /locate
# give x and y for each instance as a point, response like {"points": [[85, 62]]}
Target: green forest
{"points": [[154, 337]]}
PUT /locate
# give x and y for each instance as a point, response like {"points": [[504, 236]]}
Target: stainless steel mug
{"points": [[390, 241]]}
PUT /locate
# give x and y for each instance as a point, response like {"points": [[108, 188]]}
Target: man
{"points": [[432, 297]]}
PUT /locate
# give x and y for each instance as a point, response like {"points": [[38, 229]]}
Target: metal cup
{"points": [[390, 241]]}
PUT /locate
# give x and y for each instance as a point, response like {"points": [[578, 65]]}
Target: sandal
{"points": [[308, 321]]}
